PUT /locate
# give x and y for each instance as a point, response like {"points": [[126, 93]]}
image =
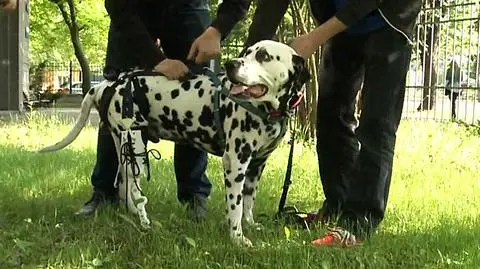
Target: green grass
{"points": [[432, 218]]}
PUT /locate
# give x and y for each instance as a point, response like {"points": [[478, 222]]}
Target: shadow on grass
{"points": [[40, 192]]}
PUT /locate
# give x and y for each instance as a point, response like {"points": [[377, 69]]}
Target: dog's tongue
{"points": [[238, 89], [255, 90]]}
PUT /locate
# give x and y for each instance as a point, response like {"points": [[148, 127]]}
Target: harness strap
{"points": [[216, 104]]}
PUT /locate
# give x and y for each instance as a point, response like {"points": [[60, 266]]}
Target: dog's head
{"points": [[268, 71]]}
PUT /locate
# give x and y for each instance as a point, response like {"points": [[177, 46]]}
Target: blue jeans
{"points": [[177, 26]]}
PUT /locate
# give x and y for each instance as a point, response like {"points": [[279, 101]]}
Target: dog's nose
{"points": [[232, 64]]}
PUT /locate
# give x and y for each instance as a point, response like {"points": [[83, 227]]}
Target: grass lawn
{"points": [[432, 218]]}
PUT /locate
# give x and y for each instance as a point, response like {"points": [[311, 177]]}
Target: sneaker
{"points": [[197, 208], [98, 198], [337, 237]]}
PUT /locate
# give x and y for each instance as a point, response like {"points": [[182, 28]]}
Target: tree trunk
{"points": [[70, 18], [428, 46], [303, 23]]}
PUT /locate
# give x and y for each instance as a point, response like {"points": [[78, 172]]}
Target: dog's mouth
{"points": [[243, 90]]}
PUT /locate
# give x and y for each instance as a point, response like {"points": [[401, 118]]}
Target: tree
{"points": [[428, 29], [69, 13], [49, 35]]}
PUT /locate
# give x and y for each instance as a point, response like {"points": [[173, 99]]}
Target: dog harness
{"points": [[272, 116]]}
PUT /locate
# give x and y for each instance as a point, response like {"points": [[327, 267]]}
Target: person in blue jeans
{"points": [[362, 41], [187, 33]]}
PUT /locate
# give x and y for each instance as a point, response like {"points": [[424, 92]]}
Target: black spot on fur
{"points": [[117, 107], [238, 142], [239, 199], [227, 147], [189, 114], [228, 184], [91, 91], [234, 124], [166, 110], [201, 92], [158, 97], [230, 196], [269, 128], [254, 143], [186, 85], [175, 93], [228, 171], [187, 122], [245, 153], [206, 118], [278, 58], [232, 206], [174, 114], [121, 91], [197, 84], [239, 178], [229, 110], [234, 228]]}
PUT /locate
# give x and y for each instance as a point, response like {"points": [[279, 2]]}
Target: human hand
{"points": [[206, 46], [304, 45], [8, 5], [172, 69]]}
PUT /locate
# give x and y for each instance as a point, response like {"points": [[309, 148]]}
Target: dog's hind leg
{"points": [[132, 166], [252, 177]]}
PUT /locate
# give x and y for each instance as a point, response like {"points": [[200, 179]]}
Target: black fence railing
{"points": [[444, 77]]}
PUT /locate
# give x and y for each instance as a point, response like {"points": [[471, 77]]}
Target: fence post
{"points": [[70, 74]]}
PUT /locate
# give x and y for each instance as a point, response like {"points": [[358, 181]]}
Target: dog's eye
{"points": [[262, 56]]}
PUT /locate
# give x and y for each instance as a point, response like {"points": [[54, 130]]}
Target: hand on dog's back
{"points": [[172, 69]]}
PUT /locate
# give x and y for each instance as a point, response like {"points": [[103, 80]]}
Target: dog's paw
{"points": [[257, 226], [242, 241], [254, 225]]}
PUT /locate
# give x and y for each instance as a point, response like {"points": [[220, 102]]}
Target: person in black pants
{"points": [[452, 85], [186, 32], [362, 41]]}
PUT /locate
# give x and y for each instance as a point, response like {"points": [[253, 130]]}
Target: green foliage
{"points": [[50, 38]]}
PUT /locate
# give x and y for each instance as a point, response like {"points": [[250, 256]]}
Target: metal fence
{"points": [[443, 80]]}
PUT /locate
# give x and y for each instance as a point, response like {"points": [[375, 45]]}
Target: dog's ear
{"points": [[301, 69]]}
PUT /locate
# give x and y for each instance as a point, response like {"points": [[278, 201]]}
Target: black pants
{"points": [[453, 96], [176, 26], [355, 162]]}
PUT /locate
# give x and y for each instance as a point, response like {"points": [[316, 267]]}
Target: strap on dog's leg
{"points": [[133, 152]]}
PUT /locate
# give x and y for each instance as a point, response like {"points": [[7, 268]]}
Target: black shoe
{"points": [[98, 198], [197, 208]]}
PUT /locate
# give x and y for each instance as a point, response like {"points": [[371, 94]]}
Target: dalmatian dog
{"points": [[257, 92]]}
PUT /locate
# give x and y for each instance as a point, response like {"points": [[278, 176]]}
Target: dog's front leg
{"points": [[234, 172], [254, 172]]}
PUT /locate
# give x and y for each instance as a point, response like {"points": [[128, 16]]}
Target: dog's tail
{"points": [[85, 108]]}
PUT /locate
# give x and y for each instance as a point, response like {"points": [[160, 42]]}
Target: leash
{"points": [[290, 214]]}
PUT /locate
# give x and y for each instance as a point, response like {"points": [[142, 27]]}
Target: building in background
{"points": [[14, 44]]}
